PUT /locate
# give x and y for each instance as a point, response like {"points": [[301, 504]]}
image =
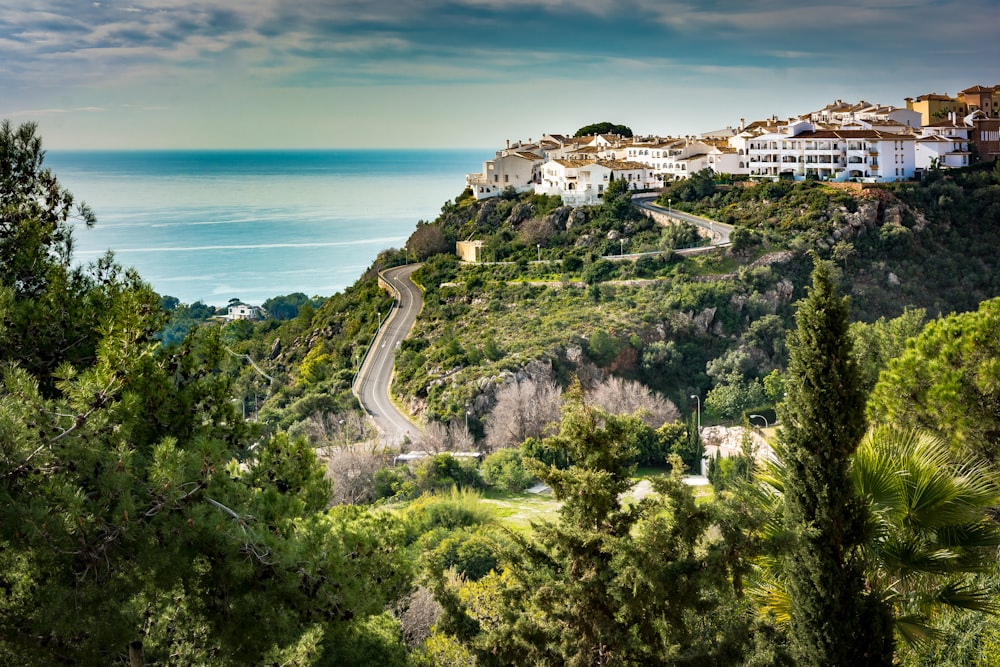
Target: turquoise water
{"points": [[215, 225]]}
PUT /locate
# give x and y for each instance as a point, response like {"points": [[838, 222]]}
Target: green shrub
{"points": [[599, 271], [458, 508], [504, 471], [472, 555]]}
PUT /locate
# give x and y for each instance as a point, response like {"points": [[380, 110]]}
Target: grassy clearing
{"points": [[519, 511]]}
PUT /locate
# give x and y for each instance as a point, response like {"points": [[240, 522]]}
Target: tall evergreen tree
{"points": [[834, 620]]}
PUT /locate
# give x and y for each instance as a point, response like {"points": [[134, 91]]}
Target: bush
{"points": [[395, 482], [456, 509], [504, 471], [602, 348], [443, 471], [572, 264], [599, 271], [472, 555]]}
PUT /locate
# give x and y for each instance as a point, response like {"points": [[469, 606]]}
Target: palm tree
{"points": [[928, 527]]}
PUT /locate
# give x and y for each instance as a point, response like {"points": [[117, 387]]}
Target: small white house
{"points": [[514, 167], [241, 311]]}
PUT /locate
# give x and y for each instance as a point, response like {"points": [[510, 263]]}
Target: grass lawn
{"points": [[518, 511]]}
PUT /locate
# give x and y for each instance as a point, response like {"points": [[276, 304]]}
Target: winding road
{"points": [[718, 231], [375, 375]]}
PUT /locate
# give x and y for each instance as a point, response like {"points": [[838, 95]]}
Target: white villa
{"points": [[583, 182], [845, 113], [241, 311], [516, 168]]}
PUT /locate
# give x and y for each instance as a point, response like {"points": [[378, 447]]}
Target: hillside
{"points": [[682, 326]]}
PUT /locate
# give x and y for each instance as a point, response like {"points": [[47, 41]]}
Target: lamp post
{"points": [[621, 250], [698, 399], [539, 247], [761, 417], [669, 207]]}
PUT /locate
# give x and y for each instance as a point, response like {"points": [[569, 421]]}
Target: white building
{"points": [[511, 168], [241, 311], [843, 113], [674, 159], [944, 145], [583, 182], [798, 150]]}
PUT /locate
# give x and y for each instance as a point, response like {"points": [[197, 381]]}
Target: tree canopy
{"points": [[604, 127], [947, 381]]}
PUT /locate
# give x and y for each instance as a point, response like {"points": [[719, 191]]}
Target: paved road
{"points": [[375, 375], [719, 231]]}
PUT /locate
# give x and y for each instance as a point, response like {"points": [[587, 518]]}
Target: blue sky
{"points": [[463, 73]]}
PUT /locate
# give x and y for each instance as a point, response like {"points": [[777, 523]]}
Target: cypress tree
{"points": [[834, 620]]}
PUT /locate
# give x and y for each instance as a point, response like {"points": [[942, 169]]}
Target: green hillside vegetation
{"points": [[216, 498], [712, 325]]}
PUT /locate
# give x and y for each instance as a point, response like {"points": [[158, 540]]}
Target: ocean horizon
{"points": [[215, 225]]}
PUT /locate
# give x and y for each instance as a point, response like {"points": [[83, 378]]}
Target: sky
{"points": [[464, 73]]}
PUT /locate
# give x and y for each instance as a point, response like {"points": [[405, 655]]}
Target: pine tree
{"points": [[834, 620]]}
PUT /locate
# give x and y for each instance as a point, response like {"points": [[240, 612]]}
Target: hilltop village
{"points": [[843, 141]]}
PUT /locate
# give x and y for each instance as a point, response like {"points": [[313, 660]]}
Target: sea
{"points": [[212, 226]]}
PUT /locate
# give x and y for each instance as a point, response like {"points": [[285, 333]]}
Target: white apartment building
{"points": [[674, 159], [840, 112], [943, 152], [799, 150]]}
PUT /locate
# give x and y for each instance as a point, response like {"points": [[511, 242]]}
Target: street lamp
{"points": [[669, 209], [539, 246], [621, 250], [762, 417]]}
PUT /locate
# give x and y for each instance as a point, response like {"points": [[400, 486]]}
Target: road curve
{"points": [[375, 374], [718, 231]]}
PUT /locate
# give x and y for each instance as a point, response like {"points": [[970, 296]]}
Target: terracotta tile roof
{"points": [[854, 134], [622, 164], [981, 89]]}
